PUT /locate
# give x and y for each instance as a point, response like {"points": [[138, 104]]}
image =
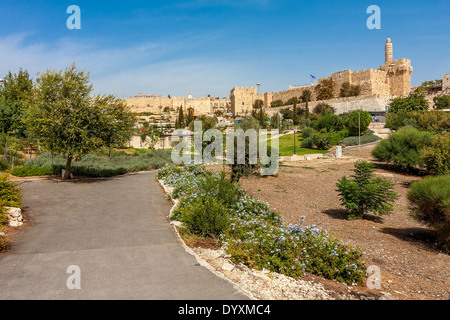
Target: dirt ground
{"points": [[405, 250]]}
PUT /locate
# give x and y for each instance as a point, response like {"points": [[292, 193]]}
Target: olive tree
{"points": [[65, 119]]}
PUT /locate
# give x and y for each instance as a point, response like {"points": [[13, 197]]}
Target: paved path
{"points": [[116, 231]]}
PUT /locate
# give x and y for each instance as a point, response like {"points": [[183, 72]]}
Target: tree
{"points": [[365, 193], [258, 104], [244, 169], [117, 121], [276, 103], [325, 90], [180, 123], [357, 122], [413, 102], [349, 90], [306, 98], [323, 108], [190, 116], [442, 102], [15, 94], [64, 119]]}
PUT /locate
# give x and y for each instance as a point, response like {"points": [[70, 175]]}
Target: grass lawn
{"points": [[286, 146]]}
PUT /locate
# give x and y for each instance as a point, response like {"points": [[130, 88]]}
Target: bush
{"points": [[205, 216], [322, 140], [254, 234], [101, 166], [366, 193], [366, 138], [433, 121], [436, 156], [357, 122], [10, 195], [323, 108], [442, 102], [430, 201], [329, 121], [398, 120], [403, 147], [307, 143], [31, 171], [308, 132]]}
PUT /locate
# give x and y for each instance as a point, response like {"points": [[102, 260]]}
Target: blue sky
{"points": [[210, 46]]}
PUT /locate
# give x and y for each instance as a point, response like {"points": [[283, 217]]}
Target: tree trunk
{"points": [[68, 165]]}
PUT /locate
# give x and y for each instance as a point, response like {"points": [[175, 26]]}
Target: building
{"points": [[392, 79]]}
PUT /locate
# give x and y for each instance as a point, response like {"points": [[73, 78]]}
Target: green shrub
{"points": [[436, 156], [308, 132], [401, 119], [366, 193], [31, 171], [442, 102], [328, 121], [307, 143], [101, 166], [254, 234], [10, 195], [353, 141], [205, 216], [322, 140], [430, 199], [403, 147], [433, 121], [357, 122]]}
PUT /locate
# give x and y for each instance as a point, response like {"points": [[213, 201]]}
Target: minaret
{"points": [[389, 51]]}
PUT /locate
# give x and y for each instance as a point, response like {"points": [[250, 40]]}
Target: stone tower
{"points": [[398, 72], [389, 51]]}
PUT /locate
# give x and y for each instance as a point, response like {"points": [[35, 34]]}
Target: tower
{"points": [[389, 51]]}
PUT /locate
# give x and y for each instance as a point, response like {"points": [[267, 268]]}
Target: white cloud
{"points": [[124, 71]]}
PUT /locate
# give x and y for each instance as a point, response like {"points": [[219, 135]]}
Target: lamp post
{"points": [[257, 93]]}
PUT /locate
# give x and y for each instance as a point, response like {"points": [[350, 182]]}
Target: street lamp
{"points": [[258, 84]]}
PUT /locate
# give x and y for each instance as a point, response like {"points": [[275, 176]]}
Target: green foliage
{"points": [[366, 193], [328, 121], [256, 235], [307, 143], [308, 132], [245, 169], [436, 156], [258, 104], [433, 121], [348, 90], [366, 138], [15, 95], [31, 171], [101, 166], [66, 120], [400, 119], [277, 103], [10, 195], [403, 147], [322, 140], [430, 199], [413, 102], [357, 120], [442, 102], [323, 108], [325, 90]]}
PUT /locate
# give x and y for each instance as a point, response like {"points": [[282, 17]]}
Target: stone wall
{"points": [[343, 105]]}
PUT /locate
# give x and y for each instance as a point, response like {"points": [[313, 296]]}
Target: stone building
{"points": [[156, 104], [393, 78]]}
